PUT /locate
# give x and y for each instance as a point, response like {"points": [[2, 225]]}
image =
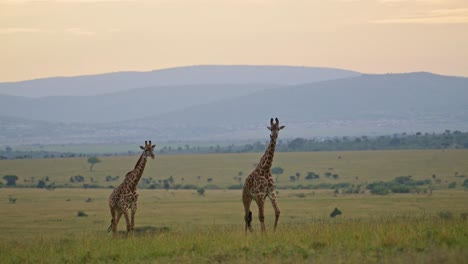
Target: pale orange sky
{"points": [[45, 38]]}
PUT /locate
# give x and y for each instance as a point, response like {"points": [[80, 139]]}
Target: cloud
{"points": [[436, 16]]}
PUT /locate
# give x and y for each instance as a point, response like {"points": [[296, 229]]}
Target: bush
{"points": [[465, 183], [400, 188], [300, 195], [452, 185], [11, 179], [41, 184], [312, 175], [201, 191], [379, 190], [82, 214]]}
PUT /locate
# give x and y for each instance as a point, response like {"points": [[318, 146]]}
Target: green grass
{"points": [[358, 167], [43, 226]]}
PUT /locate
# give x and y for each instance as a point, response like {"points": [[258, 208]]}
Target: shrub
{"points": [[312, 175], [201, 191], [452, 185], [400, 188], [11, 179], [301, 195], [379, 190], [82, 214], [465, 183], [41, 184]]}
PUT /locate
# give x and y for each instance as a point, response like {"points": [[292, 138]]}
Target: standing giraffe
{"points": [[125, 195], [260, 184]]}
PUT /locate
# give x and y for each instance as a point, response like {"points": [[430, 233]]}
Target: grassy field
{"points": [[182, 226], [358, 167], [43, 227]]}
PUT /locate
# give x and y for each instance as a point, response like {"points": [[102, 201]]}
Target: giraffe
{"points": [[260, 184], [125, 196]]}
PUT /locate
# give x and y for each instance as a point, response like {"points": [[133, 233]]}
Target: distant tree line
{"points": [[446, 140]]}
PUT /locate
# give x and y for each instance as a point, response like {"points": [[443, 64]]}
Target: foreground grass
{"points": [[184, 227], [403, 239]]}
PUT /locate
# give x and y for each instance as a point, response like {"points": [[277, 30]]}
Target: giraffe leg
{"points": [[261, 212], [275, 207], [112, 211], [127, 220], [116, 220], [132, 224], [248, 214]]}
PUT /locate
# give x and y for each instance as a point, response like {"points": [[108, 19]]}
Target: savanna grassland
{"points": [[43, 226], [355, 167]]}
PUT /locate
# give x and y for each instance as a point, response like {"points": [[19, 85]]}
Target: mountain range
{"points": [[229, 102]]}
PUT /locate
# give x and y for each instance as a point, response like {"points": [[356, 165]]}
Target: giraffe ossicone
{"points": [[124, 197], [260, 184]]}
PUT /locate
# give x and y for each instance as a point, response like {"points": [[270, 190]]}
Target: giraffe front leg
{"points": [[261, 212], [132, 224], [127, 220], [275, 207]]}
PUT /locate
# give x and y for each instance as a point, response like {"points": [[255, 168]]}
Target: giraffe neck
{"points": [[137, 172], [267, 159]]}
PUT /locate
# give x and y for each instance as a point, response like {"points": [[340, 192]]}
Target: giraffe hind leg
{"points": [[115, 223], [112, 211], [111, 225], [249, 221], [248, 214]]}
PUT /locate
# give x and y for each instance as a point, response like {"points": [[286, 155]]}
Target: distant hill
{"points": [[119, 106], [390, 96], [181, 76], [359, 105]]}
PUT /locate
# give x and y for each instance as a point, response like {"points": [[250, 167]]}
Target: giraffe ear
{"points": [[153, 146], [142, 147], [281, 127], [269, 128]]}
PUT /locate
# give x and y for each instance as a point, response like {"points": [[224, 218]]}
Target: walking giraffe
{"points": [[260, 184], [125, 195]]}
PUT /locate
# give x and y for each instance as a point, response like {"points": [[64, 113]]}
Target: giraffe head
{"points": [[148, 149], [274, 127]]}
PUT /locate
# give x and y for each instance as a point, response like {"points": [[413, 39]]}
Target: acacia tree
{"points": [[11, 179], [92, 161], [277, 171]]}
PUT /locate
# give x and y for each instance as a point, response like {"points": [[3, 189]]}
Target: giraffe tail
{"points": [[249, 221], [110, 227]]}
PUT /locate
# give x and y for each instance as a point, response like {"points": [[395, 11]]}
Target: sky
{"points": [[47, 38]]}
